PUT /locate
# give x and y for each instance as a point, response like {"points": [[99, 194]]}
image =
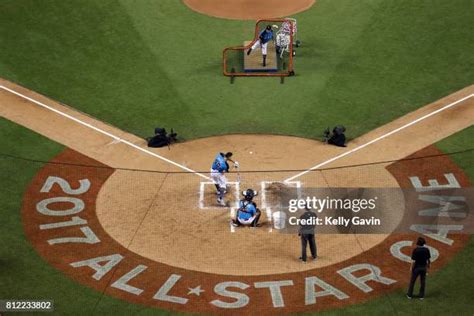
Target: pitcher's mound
{"points": [[248, 9]]}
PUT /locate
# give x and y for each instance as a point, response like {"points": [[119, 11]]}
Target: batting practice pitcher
{"points": [[265, 36]]}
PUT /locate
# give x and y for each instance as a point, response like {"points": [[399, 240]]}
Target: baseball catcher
{"points": [[248, 213]]}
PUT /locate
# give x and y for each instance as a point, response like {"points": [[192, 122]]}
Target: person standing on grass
{"points": [[419, 267]]}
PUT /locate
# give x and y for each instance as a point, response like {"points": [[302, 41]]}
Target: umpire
{"points": [[419, 267], [306, 233]]}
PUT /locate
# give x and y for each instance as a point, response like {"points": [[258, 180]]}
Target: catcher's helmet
{"points": [[249, 194]]}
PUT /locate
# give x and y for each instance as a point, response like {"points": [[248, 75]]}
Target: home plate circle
{"points": [[142, 237]]}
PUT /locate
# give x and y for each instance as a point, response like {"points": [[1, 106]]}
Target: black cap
{"points": [[421, 241]]}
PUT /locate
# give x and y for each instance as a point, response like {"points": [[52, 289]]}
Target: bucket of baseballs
{"points": [[279, 220]]}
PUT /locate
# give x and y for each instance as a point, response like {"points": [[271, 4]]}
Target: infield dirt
{"points": [[248, 9]]}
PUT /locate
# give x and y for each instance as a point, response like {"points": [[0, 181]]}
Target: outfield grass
{"points": [[143, 64]]}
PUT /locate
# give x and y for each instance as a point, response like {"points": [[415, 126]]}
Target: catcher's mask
{"points": [[249, 194], [269, 27]]}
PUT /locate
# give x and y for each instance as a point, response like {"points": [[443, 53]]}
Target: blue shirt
{"points": [[246, 210], [220, 164], [266, 36]]}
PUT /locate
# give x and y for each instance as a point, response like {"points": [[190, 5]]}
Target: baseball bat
{"points": [[236, 167]]}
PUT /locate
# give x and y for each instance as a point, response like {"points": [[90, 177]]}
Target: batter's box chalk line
{"points": [[233, 212], [233, 186]]}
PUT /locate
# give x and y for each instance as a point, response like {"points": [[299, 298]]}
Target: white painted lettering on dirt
{"points": [[374, 275], [441, 234], [311, 294], [100, 270], [122, 283], [162, 293], [446, 206], [433, 184], [43, 206], [241, 298], [75, 221], [84, 185], [275, 290], [89, 238], [396, 251]]}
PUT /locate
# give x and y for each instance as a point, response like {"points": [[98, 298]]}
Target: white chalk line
{"points": [[233, 213], [116, 139], [378, 138], [202, 190], [266, 207]]}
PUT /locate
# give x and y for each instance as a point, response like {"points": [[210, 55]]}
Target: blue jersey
{"points": [[220, 164], [246, 210], [266, 36]]}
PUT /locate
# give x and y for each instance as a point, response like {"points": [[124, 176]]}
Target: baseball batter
{"points": [[265, 36], [219, 167]]}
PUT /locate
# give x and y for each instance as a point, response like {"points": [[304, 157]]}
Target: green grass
{"points": [[142, 64], [460, 142]]}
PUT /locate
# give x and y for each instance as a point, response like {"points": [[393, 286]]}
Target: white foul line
{"points": [[116, 138], [379, 138]]}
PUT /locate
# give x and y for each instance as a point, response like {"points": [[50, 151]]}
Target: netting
{"points": [[174, 217], [133, 189], [279, 51]]}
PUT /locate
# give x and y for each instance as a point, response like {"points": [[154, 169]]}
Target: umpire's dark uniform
{"points": [[421, 261], [306, 232]]}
